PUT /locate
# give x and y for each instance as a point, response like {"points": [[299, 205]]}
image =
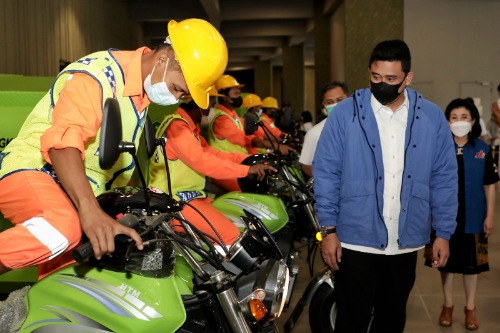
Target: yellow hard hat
{"points": [[202, 54], [213, 92], [227, 81], [270, 102], [251, 100]]}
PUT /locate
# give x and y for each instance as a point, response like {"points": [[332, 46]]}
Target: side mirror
{"points": [[251, 123], [149, 136], [111, 134]]}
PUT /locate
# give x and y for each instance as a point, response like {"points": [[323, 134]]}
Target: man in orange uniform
{"points": [[190, 160], [226, 130], [253, 104], [50, 174], [270, 104]]}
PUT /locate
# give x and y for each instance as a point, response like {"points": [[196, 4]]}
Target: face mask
{"points": [[159, 93], [259, 113], [204, 121], [236, 102], [460, 128], [211, 114], [385, 93], [328, 109]]}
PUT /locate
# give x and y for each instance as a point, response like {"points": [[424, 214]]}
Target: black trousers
{"points": [[375, 285]]}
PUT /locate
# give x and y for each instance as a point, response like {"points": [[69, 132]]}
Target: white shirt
{"points": [[484, 130], [310, 142], [306, 126], [392, 131]]}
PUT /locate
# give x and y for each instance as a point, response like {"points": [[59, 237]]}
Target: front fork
{"points": [[300, 196], [230, 306]]}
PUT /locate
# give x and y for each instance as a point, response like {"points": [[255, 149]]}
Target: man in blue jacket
{"points": [[385, 172]]}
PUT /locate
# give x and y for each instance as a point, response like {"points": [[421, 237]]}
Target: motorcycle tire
{"points": [[323, 310]]}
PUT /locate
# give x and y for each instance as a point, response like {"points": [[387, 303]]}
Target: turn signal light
{"points": [[257, 308]]}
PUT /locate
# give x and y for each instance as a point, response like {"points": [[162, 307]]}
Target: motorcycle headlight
{"points": [[253, 245], [277, 288], [269, 285], [241, 254]]}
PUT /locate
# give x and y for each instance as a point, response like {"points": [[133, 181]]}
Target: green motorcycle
{"points": [[178, 283], [283, 201]]}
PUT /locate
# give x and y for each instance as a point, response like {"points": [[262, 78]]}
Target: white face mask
{"points": [[211, 114], [205, 120], [159, 93], [460, 128], [259, 113]]}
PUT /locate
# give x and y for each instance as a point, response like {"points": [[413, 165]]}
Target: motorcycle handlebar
{"points": [[84, 251]]}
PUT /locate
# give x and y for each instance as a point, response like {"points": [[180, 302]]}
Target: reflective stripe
{"points": [[47, 235]]}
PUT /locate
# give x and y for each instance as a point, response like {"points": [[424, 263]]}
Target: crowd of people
{"points": [[393, 173]]}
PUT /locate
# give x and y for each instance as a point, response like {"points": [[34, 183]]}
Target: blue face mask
{"points": [[159, 93], [259, 113]]}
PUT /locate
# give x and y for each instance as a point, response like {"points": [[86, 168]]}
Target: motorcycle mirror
{"points": [[111, 134], [251, 123], [149, 136]]}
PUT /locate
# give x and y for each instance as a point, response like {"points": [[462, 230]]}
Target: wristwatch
{"points": [[324, 231]]}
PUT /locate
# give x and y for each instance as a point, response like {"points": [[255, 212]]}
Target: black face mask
{"points": [[386, 93], [236, 102]]}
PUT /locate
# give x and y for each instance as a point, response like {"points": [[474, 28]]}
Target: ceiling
{"points": [[253, 29]]}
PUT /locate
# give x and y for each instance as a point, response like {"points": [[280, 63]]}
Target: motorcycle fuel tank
{"points": [[269, 209], [83, 298]]}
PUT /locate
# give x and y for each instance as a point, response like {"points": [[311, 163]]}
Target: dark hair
{"points": [[392, 50], [335, 84], [189, 105], [225, 92], [307, 116], [498, 88], [467, 103]]}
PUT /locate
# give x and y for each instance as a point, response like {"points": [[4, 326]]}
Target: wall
{"points": [[337, 44], [36, 34], [455, 49], [310, 104], [366, 24]]}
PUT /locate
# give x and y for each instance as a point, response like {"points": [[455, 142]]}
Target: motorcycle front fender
{"points": [[323, 276]]}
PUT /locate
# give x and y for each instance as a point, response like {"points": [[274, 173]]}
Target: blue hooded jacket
{"points": [[348, 171]]}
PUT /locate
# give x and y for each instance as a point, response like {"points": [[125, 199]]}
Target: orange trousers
{"points": [[226, 229], [47, 227], [46, 224], [231, 185]]}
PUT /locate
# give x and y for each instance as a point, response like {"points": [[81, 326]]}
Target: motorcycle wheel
{"points": [[323, 310]]}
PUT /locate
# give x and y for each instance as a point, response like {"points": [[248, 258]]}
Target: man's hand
{"points": [[95, 223], [285, 149], [260, 170], [331, 251], [440, 252], [101, 230]]}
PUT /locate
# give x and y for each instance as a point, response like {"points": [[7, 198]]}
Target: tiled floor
{"points": [[426, 298]]}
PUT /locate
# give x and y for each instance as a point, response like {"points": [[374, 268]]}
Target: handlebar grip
{"points": [[82, 252], [85, 250]]}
